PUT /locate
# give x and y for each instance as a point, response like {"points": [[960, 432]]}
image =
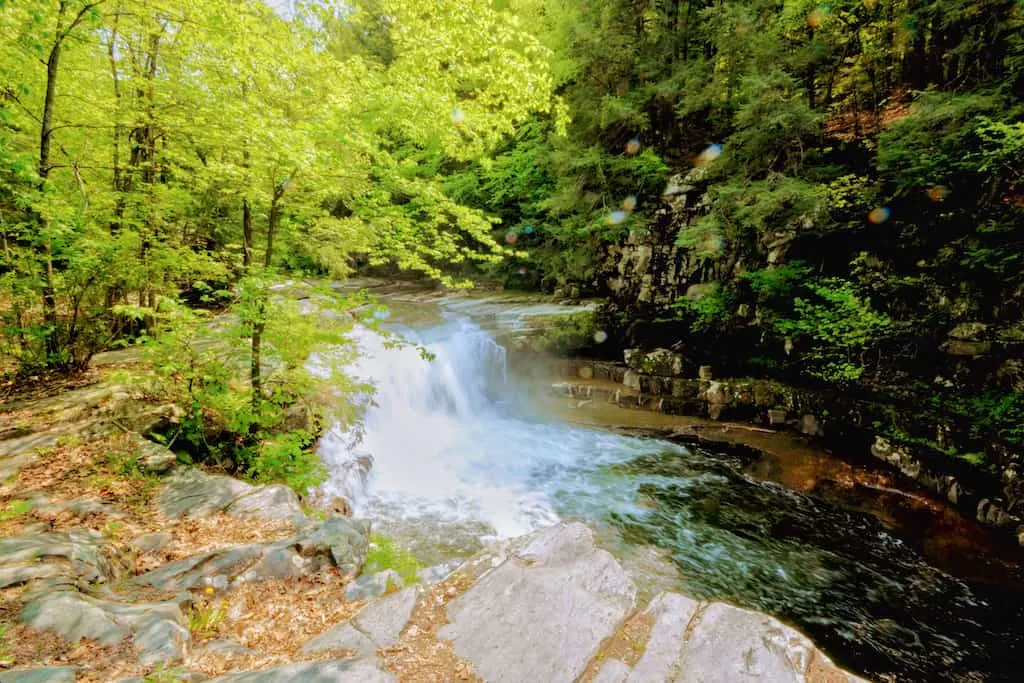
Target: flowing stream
{"points": [[453, 454]]}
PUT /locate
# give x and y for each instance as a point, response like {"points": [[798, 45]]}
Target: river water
{"points": [[463, 454]]}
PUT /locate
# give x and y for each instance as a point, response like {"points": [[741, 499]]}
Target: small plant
{"points": [[385, 554], [6, 656], [15, 509], [204, 619], [162, 673]]}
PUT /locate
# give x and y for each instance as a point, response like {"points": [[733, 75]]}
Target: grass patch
{"points": [[204, 620], [384, 554], [15, 509], [6, 656]]}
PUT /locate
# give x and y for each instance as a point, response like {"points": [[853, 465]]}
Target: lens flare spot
{"points": [[938, 193], [528, 229], [879, 215], [710, 154], [633, 147], [817, 16], [458, 116], [522, 271], [600, 336], [511, 237], [616, 217], [629, 203]]}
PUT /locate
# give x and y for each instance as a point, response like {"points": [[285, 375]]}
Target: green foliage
{"points": [[385, 553], [834, 329], [264, 432], [713, 310], [6, 657], [14, 509], [565, 334], [205, 618]]}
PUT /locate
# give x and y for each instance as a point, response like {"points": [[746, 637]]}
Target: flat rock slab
{"points": [[78, 553], [344, 636], [361, 670], [542, 612], [191, 491], [694, 642], [338, 542], [156, 629], [384, 619], [49, 674]]}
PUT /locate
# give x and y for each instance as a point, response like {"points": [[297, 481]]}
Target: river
{"points": [[464, 453]]}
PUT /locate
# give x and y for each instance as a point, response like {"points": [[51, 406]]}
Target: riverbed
{"points": [[890, 583]]}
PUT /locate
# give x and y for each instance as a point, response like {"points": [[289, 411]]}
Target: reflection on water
{"points": [[455, 461]]}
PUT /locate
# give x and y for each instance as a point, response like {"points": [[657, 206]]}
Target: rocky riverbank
{"points": [[662, 381], [117, 562]]}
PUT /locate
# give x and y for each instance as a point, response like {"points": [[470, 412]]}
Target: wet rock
{"points": [[360, 670], [810, 426], [344, 636], [373, 585], [75, 554], [157, 629], [338, 542], [384, 619], [151, 543], [960, 347], [659, 362], [437, 573], [49, 674], [542, 610]]}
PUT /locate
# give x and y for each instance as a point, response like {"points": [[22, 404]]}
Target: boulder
{"points": [[542, 610], [191, 491], [151, 543], [338, 542], [154, 458], [359, 670], [276, 501]]}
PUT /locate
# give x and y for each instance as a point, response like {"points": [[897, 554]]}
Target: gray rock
{"points": [[50, 674], [226, 647], [344, 636], [542, 613], [612, 671], [190, 491], [156, 629], [437, 573], [373, 585], [660, 661], [151, 543], [338, 542], [384, 619], [77, 553], [154, 458], [777, 416], [269, 502], [361, 670]]}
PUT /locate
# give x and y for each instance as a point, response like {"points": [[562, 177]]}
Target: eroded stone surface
{"points": [[338, 542], [361, 670], [49, 674], [344, 636], [542, 613], [190, 491], [384, 619], [78, 553], [156, 629], [268, 502]]}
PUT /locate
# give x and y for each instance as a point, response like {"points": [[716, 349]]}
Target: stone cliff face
{"points": [[904, 402]]}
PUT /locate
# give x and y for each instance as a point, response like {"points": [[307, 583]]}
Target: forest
{"points": [[860, 167]]}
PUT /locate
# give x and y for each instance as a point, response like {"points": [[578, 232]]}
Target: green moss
{"points": [[386, 554], [15, 509]]}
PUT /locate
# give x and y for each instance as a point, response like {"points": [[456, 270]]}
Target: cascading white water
{"points": [[445, 444]]}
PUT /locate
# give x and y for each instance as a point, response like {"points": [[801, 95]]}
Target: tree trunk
{"points": [[246, 233]]}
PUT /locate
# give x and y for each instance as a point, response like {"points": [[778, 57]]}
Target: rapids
{"points": [[454, 453]]}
